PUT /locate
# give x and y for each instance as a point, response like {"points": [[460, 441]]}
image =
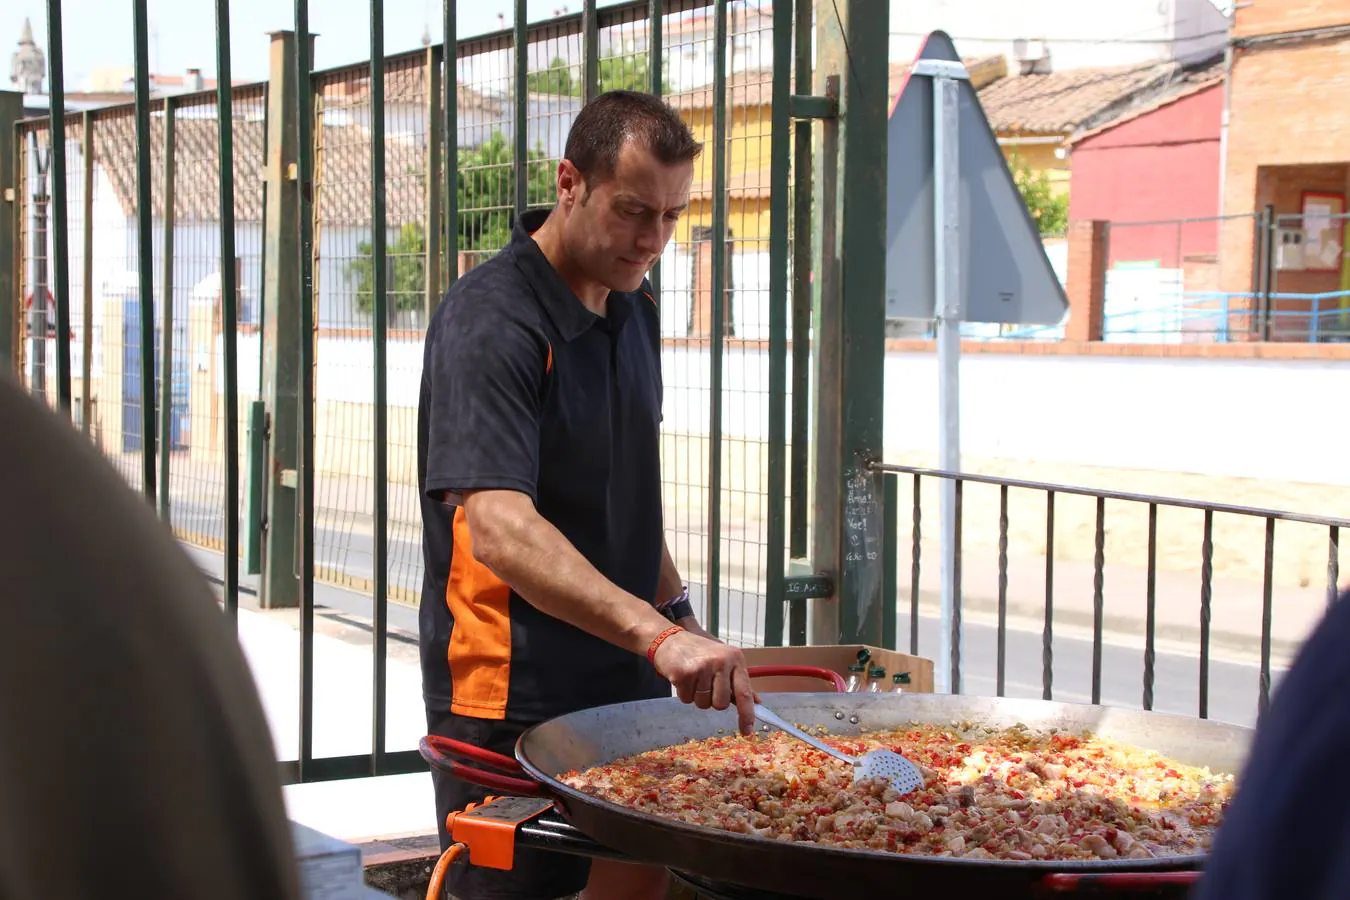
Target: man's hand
{"points": [[708, 673]]}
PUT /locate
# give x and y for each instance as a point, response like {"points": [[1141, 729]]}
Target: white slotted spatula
{"points": [[902, 774]]}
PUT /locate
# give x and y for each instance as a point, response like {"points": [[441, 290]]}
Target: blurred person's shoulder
{"points": [[1286, 832], [135, 739]]}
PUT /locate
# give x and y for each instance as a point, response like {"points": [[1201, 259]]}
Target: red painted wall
{"points": [[1163, 165]]}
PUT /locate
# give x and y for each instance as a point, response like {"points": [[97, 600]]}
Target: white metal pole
{"points": [[947, 311]]}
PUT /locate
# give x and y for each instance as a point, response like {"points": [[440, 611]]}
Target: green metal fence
{"points": [[266, 405], [252, 366]]}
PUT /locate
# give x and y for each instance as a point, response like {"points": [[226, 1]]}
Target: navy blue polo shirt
{"points": [[524, 388]]}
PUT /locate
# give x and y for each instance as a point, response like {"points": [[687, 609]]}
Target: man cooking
{"points": [[549, 586]]}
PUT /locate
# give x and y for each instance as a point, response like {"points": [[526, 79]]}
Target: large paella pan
{"points": [[588, 762]]}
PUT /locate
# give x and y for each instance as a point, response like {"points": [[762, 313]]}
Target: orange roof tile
{"points": [[1063, 102], [1192, 83]]}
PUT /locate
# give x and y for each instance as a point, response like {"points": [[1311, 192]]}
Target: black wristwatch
{"points": [[677, 608]]}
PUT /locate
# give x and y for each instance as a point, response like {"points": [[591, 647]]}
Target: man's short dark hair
{"points": [[604, 124]]}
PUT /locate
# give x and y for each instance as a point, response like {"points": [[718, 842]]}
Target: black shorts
{"points": [[536, 875]]}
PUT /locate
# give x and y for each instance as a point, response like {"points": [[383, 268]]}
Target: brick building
{"points": [[1288, 148], [1156, 165]]}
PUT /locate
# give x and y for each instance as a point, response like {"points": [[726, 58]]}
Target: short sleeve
{"points": [[488, 364]]}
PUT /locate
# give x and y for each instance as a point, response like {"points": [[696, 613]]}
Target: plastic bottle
{"points": [[878, 682], [855, 678], [901, 680]]}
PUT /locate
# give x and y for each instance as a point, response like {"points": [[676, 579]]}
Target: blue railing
{"points": [[1202, 316], [1224, 316]]}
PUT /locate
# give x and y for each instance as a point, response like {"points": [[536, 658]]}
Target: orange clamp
{"points": [[488, 829]]}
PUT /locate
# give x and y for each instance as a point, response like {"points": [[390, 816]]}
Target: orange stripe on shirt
{"points": [[480, 640]]}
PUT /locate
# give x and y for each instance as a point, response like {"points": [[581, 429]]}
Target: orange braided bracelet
{"points": [[659, 640]]}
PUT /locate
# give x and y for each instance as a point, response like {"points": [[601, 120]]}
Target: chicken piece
{"points": [[1098, 845]]}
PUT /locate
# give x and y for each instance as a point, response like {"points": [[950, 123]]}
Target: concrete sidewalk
{"points": [[360, 809]]}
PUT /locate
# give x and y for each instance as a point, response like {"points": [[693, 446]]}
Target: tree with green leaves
{"points": [[486, 179], [615, 73], [1049, 208], [405, 266]]}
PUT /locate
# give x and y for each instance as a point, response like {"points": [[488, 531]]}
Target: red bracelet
{"points": [[661, 639]]}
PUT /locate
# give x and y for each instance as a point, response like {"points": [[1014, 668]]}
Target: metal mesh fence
{"points": [[117, 288], [484, 147], [484, 156], [344, 297], [37, 276], [102, 213], [197, 435]]}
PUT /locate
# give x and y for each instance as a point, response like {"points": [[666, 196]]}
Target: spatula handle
{"points": [[769, 717]]}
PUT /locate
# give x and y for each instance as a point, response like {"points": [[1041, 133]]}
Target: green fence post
{"points": [[380, 315], [145, 254], [60, 283], [11, 111], [450, 84], [302, 117], [779, 161], [166, 320], [590, 52], [520, 148], [229, 303], [852, 54], [655, 47], [87, 221], [717, 340], [800, 459], [281, 332], [255, 496], [435, 125]]}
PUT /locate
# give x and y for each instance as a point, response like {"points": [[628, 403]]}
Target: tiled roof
{"points": [[196, 166], [1190, 83], [1063, 102], [983, 70], [343, 183], [342, 165]]}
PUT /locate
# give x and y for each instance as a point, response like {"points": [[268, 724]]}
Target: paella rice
{"points": [[1010, 794]]}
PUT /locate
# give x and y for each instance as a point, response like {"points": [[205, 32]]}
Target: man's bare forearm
{"points": [[670, 584], [530, 554]]}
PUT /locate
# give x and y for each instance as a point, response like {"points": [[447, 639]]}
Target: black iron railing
{"points": [[1052, 497]]}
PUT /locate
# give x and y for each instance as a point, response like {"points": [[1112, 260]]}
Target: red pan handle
{"points": [[1067, 882], [802, 671], [440, 752]]}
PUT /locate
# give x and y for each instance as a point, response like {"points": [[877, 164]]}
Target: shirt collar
{"points": [[570, 316]]}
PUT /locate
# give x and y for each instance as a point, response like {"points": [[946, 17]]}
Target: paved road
{"points": [[1233, 687]]}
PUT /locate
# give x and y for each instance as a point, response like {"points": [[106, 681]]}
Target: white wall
{"points": [[1080, 34], [1178, 415], [1242, 418]]}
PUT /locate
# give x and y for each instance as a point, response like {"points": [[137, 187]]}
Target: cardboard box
{"points": [[836, 658]]}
